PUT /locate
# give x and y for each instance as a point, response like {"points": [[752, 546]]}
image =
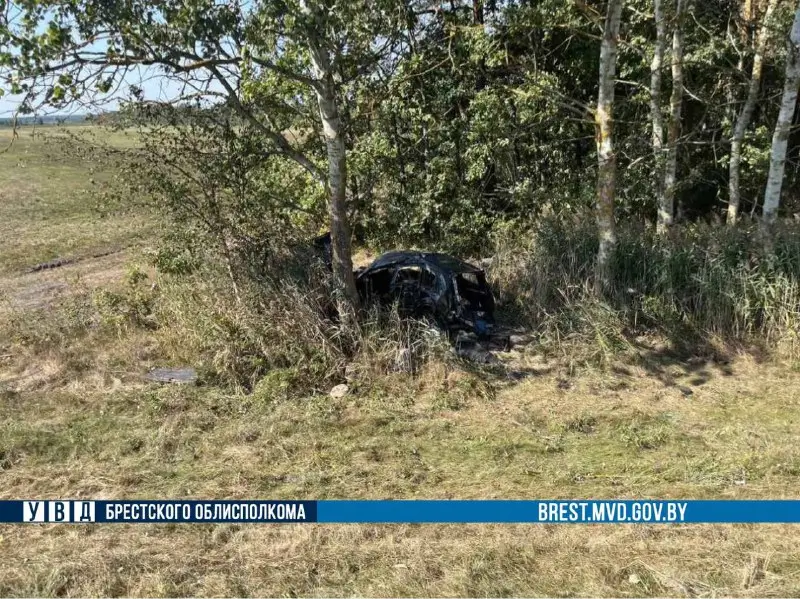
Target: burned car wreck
{"points": [[449, 291]]}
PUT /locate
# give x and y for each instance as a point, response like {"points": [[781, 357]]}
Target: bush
{"points": [[278, 336], [239, 340], [132, 306], [698, 281]]}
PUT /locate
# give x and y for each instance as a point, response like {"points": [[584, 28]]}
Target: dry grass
{"points": [[399, 560], [622, 436], [77, 420], [49, 203]]}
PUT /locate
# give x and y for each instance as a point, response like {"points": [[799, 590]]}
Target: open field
{"points": [[48, 203], [77, 420]]}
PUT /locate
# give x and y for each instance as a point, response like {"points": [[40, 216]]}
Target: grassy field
{"points": [[78, 420], [48, 203]]}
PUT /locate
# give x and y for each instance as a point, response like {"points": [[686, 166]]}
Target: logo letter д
{"points": [[83, 511]]}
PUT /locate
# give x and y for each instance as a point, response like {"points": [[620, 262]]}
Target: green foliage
{"points": [[132, 306], [646, 432], [278, 384], [455, 148], [701, 281], [453, 126], [223, 196], [239, 341], [50, 327], [179, 253], [459, 129]]}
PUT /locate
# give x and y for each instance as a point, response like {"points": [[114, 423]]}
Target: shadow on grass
{"points": [[670, 355], [687, 303]]}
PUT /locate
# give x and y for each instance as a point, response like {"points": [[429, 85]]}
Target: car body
{"points": [[452, 292]]}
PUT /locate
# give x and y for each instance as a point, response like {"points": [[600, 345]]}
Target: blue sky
{"points": [[155, 86]]}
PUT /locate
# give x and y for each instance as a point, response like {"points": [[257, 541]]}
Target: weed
{"points": [[701, 281]]}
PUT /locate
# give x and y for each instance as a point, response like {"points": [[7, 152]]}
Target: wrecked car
{"points": [[449, 291], [453, 293]]}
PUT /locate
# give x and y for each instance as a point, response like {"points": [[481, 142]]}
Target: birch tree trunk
{"points": [[336, 186], [655, 99], [746, 114], [606, 159], [780, 138], [667, 207]]}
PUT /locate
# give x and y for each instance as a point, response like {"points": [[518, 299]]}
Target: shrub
{"points": [[279, 337], [238, 340], [698, 281], [132, 306]]}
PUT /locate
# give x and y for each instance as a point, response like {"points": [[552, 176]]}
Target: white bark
{"points": [[606, 159], [746, 114], [780, 138], [655, 97], [667, 207], [336, 185]]}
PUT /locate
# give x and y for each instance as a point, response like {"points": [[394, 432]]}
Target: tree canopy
{"points": [[444, 122]]}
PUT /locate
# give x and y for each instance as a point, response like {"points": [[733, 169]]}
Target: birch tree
{"points": [[667, 207], [266, 60], [336, 184], [606, 158], [780, 138], [746, 114], [656, 116]]}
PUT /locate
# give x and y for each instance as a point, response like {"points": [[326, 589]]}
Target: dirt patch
{"points": [[43, 288], [39, 294]]}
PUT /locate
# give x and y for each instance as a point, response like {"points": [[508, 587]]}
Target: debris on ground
{"points": [[50, 264], [181, 376], [404, 361], [469, 347], [57, 262], [339, 391], [518, 339]]}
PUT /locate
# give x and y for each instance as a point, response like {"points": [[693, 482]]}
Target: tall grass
{"points": [[284, 329], [278, 332], [698, 281]]}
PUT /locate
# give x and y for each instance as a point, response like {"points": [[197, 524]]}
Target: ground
{"points": [[79, 421]]}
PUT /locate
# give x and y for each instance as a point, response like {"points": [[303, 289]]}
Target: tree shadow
{"points": [[682, 353], [679, 357]]}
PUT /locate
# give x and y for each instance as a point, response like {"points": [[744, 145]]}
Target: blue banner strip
{"points": [[560, 511], [577, 511]]}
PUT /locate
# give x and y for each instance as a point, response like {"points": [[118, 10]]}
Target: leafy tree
{"points": [[282, 66], [446, 123]]}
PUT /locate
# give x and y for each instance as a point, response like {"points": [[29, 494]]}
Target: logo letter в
{"points": [[58, 512]]}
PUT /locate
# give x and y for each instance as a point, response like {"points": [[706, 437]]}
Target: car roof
{"points": [[434, 259]]}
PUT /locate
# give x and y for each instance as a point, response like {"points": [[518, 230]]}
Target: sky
{"points": [[155, 86]]}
